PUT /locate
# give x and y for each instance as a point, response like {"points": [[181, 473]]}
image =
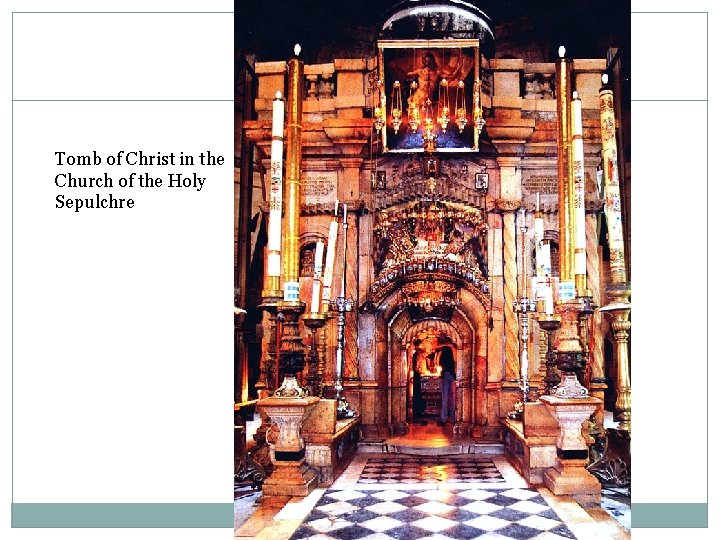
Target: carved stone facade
{"points": [[431, 218]]}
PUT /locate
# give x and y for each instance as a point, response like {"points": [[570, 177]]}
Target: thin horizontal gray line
{"points": [[675, 100], [118, 12], [671, 12]]}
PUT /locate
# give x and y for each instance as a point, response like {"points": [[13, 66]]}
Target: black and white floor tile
{"points": [[429, 469], [374, 513], [616, 502]]}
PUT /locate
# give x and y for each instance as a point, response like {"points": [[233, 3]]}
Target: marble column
{"points": [[509, 202], [596, 358], [495, 320], [381, 421], [348, 191], [510, 293]]}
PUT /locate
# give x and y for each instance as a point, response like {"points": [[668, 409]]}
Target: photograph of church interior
{"points": [[432, 269]]}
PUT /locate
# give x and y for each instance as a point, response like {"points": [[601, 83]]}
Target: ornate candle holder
{"points": [[586, 308], [342, 305], [570, 357], [268, 379], [619, 309], [314, 321], [292, 350], [523, 307], [549, 324]]}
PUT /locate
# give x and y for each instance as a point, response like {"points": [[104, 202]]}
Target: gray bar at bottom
{"points": [[123, 515], [669, 515]]}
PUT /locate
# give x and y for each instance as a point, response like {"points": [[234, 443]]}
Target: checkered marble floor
{"points": [[616, 502], [429, 469], [409, 514]]}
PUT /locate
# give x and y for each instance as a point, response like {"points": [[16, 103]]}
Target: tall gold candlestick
{"points": [[291, 252], [292, 351], [566, 199], [618, 290]]}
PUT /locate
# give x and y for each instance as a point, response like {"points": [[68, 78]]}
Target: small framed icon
{"points": [[481, 181], [380, 180], [431, 166]]}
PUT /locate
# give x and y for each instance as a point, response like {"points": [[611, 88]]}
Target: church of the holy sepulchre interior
{"points": [[432, 269]]}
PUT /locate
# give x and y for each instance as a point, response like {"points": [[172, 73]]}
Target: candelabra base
{"points": [[569, 387], [290, 388], [569, 476], [343, 408], [290, 479], [291, 476]]}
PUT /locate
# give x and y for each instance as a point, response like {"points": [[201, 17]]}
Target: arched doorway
{"points": [[466, 326], [422, 344]]}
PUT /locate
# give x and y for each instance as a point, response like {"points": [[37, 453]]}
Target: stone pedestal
{"points": [[292, 475], [569, 475]]}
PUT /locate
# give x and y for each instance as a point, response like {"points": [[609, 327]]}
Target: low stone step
{"points": [[488, 449]]}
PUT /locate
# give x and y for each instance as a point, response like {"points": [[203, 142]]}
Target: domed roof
{"points": [[438, 19]]}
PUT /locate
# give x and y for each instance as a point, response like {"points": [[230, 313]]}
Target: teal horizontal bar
{"points": [[122, 515], [669, 515]]}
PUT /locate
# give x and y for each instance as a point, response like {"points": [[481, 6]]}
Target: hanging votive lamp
{"points": [[413, 111], [396, 103], [378, 116], [379, 121], [477, 107], [429, 135], [460, 111], [444, 106]]}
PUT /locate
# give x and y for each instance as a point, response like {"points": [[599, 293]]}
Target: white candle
{"points": [[276, 156], [344, 213], [549, 297], [315, 298], [545, 258], [330, 260], [539, 234], [278, 115], [537, 204], [319, 250], [579, 181]]}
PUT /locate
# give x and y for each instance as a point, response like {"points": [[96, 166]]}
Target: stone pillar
{"points": [[596, 383], [348, 191], [569, 475], [495, 348], [510, 290], [464, 387], [510, 200], [383, 379], [397, 383]]}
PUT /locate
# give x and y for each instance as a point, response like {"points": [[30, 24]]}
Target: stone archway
{"points": [[467, 327]]}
